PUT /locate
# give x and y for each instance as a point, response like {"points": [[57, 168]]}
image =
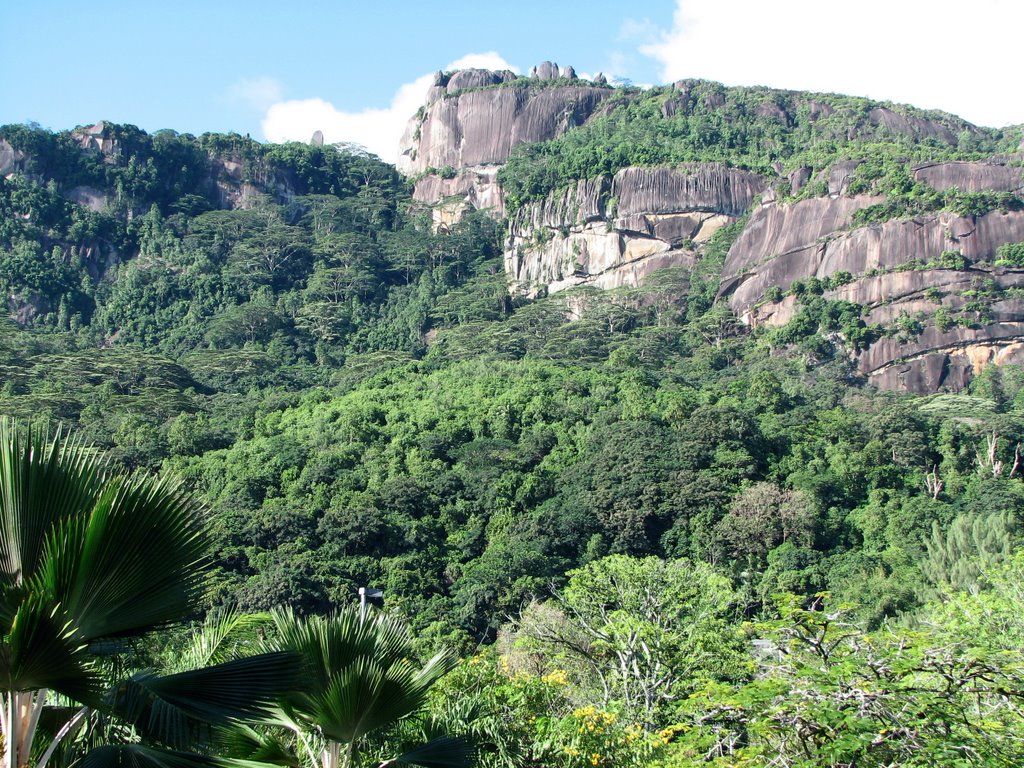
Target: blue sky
{"points": [[181, 65], [282, 70]]}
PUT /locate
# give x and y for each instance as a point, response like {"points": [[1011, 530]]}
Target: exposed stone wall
{"points": [[469, 128], [971, 177], [480, 127], [11, 159], [709, 187], [612, 232], [814, 238]]}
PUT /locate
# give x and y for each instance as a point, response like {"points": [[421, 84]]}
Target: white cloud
{"points": [[636, 29], [379, 130], [256, 93], [934, 54]]}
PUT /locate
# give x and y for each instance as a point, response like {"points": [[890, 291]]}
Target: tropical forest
{"points": [[683, 428]]}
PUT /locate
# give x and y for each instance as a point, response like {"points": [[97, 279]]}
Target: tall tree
{"points": [[647, 628]]}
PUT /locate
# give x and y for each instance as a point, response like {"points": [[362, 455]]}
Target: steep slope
{"points": [[610, 232], [881, 203], [936, 278], [471, 121]]}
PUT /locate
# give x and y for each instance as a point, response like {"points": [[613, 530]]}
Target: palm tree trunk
{"points": [[21, 713], [11, 730], [330, 757], [37, 702]]}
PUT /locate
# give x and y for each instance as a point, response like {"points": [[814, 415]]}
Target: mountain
{"points": [[674, 410], [580, 321], [915, 217]]}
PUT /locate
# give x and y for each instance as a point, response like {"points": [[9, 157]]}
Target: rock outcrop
{"points": [[610, 232], [472, 120], [971, 177], [933, 276], [94, 199], [889, 272], [99, 138], [229, 182], [11, 160]]}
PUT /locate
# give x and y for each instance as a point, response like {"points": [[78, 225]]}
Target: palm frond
{"points": [[41, 650], [181, 709], [244, 743], [366, 697], [442, 752], [42, 480], [136, 561], [367, 679], [364, 678], [326, 643], [213, 643]]}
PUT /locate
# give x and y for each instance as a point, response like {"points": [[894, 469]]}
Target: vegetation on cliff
{"points": [[599, 499], [768, 131]]}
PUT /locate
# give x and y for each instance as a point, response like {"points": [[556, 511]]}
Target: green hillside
{"points": [[359, 401]]}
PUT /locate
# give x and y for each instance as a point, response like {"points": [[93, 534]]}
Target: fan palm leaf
{"points": [[183, 709], [41, 480], [365, 681], [132, 562], [245, 742], [222, 632], [40, 650], [87, 555]]}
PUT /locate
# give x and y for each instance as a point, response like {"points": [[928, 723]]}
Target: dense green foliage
{"points": [[358, 401], [759, 129]]}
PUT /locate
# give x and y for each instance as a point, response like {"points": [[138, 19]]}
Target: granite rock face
{"points": [[100, 139], [469, 125], [708, 187], [971, 177], [933, 278], [888, 265], [480, 127], [609, 232], [913, 127], [89, 197], [11, 160]]}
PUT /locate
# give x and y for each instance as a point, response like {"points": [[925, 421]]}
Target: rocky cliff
{"points": [[11, 159], [471, 121], [610, 232], [937, 275]]}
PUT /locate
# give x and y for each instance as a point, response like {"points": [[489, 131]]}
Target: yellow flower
{"points": [[556, 677], [595, 758]]}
